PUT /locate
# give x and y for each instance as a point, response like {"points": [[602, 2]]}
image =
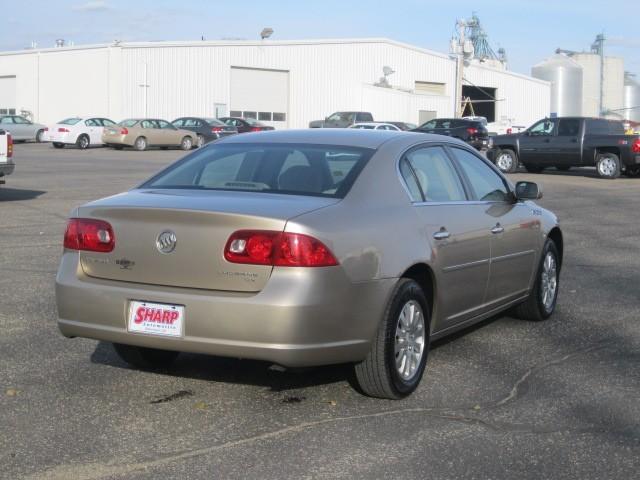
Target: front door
{"points": [[535, 143], [513, 228], [456, 231]]}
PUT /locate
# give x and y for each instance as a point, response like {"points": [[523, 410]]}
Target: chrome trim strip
{"points": [[462, 266], [512, 255]]}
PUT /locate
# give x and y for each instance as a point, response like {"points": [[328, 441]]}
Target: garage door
{"points": [[260, 94], [7, 95]]}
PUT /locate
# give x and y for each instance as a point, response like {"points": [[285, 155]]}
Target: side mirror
{"points": [[528, 191]]}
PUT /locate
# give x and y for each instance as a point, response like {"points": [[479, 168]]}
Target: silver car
{"points": [[310, 247], [22, 129]]}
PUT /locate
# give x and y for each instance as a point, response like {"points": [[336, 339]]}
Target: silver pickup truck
{"points": [[6, 155]]}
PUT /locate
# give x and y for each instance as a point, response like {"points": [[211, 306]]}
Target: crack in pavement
{"points": [[97, 470]]}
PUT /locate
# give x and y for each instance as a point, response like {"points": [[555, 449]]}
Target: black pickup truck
{"points": [[567, 142]]}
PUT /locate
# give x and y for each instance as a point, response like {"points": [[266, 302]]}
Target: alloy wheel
{"points": [[410, 340], [549, 284]]}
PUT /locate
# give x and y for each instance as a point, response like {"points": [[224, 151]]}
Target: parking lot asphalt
{"points": [[505, 399]]}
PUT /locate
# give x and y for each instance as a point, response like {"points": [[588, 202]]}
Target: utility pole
{"points": [[598, 47], [461, 24]]}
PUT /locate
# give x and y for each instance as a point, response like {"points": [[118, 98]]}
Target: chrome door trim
{"points": [[462, 266], [512, 255]]}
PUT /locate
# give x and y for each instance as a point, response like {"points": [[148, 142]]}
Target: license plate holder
{"points": [[157, 319]]}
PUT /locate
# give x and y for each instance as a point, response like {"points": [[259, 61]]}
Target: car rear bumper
{"points": [[302, 317], [6, 168], [480, 143], [58, 137], [118, 140]]}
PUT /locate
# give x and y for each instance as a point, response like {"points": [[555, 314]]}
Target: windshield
{"points": [[128, 123], [298, 169], [70, 121]]}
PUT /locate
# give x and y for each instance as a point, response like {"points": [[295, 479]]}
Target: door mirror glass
{"points": [[528, 191]]}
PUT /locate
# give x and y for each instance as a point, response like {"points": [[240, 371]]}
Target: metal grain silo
{"points": [[631, 98], [565, 76]]}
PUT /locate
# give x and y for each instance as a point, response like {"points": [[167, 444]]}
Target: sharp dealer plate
{"points": [[156, 318]]}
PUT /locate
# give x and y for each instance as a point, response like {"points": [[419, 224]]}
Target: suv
{"points": [[6, 154], [474, 132], [342, 120]]}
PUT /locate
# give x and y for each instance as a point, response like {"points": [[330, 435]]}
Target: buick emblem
{"points": [[166, 242]]}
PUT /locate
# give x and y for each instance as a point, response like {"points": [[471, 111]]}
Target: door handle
{"points": [[497, 229], [442, 234]]}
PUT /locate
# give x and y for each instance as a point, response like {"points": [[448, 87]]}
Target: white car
{"points": [[375, 126], [82, 132]]}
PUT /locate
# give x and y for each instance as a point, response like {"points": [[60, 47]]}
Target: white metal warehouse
{"points": [[284, 83]]}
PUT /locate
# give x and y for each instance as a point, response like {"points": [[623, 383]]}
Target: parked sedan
{"points": [[22, 129], [141, 133], [245, 125], [79, 131], [271, 246], [206, 129], [375, 126], [473, 132], [404, 126]]}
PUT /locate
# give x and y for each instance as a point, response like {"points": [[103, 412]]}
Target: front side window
{"points": [[21, 121], [179, 123], [128, 123], [542, 128], [91, 122], [487, 185], [299, 169], [436, 176]]}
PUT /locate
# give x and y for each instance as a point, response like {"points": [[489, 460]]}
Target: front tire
{"points": [[40, 136], [398, 356], [140, 144], [200, 141], [145, 358], [608, 165], [544, 296], [507, 161], [83, 142], [58, 145]]}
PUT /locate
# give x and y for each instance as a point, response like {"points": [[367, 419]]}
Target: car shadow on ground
{"points": [[259, 373], [18, 194]]}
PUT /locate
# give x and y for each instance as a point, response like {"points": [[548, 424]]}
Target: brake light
{"points": [[509, 131], [472, 131], [90, 235], [63, 130], [216, 129], [46, 129], [635, 148], [281, 249], [9, 145], [124, 131], [256, 129]]}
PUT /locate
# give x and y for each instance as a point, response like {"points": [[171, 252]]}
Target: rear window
{"points": [[128, 123], [214, 121], [598, 126], [70, 121], [296, 169]]}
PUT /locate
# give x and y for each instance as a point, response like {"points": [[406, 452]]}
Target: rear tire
{"points": [[58, 145], [83, 142], [507, 160], [398, 356], [186, 143], [140, 144], [608, 165], [145, 358], [539, 307]]}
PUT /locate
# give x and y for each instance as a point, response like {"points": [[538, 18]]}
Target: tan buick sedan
{"points": [[308, 248], [147, 132]]}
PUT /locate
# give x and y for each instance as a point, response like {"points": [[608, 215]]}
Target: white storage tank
{"points": [[631, 98], [565, 76]]}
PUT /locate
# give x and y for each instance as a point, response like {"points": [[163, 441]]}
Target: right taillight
{"points": [[217, 129], [9, 145], [635, 148], [124, 131], [472, 131], [90, 235], [281, 249], [509, 131]]}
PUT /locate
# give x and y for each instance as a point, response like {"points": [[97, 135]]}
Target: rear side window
{"points": [[107, 123], [435, 175], [364, 117], [70, 121], [568, 127], [487, 185], [128, 123], [300, 169]]}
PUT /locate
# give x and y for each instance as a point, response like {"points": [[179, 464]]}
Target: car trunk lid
{"points": [[201, 223]]}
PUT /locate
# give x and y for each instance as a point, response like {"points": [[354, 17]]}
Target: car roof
{"points": [[334, 136]]}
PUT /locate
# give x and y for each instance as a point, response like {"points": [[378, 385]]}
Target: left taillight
{"points": [[9, 146], [90, 235], [472, 131], [217, 129], [635, 148], [279, 249], [256, 129]]}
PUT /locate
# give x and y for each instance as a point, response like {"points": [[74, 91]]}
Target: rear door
{"points": [[535, 143], [149, 130], [457, 230], [168, 134], [513, 228], [566, 144]]}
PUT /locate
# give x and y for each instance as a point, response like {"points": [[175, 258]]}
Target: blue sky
{"points": [[530, 30]]}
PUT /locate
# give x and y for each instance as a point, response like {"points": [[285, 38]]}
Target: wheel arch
{"points": [[556, 236], [423, 275]]}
